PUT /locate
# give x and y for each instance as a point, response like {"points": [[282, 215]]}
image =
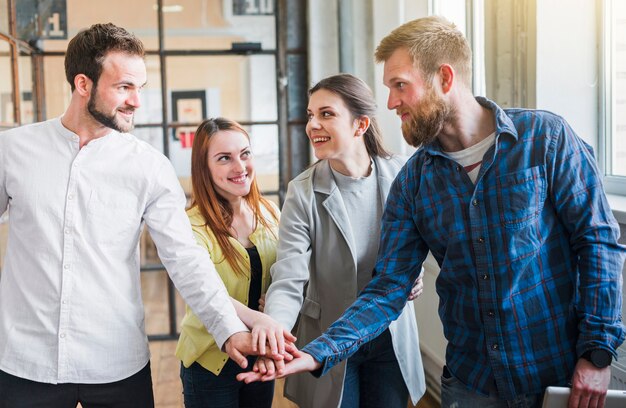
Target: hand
{"points": [[418, 287], [262, 303], [302, 362], [266, 330], [267, 366], [589, 385], [238, 346]]}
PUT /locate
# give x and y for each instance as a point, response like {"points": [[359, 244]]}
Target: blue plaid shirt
{"points": [[530, 265]]}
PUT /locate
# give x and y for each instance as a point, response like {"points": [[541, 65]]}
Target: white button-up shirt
{"points": [[70, 296]]}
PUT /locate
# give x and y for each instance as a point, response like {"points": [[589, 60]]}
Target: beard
{"points": [[105, 119], [426, 120]]}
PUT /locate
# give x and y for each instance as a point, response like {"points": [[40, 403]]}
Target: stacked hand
{"points": [[267, 338], [267, 369]]}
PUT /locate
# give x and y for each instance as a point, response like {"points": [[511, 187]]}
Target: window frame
{"points": [[613, 184]]}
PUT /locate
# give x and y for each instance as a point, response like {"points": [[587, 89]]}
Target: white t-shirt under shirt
{"points": [[472, 158]]}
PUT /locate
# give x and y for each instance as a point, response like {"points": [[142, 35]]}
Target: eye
{"points": [[327, 114], [223, 158], [400, 85], [309, 116], [246, 154]]}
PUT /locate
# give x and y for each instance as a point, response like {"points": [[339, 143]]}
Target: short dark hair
{"points": [[87, 50], [360, 101]]}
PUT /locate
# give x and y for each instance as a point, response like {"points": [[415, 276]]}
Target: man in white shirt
{"points": [[78, 189]]}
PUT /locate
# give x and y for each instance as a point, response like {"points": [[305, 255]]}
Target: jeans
{"points": [[132, 392], [373, 377], [203, 389], [454, 394]]}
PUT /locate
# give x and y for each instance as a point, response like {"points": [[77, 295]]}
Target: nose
{"points": [[392, 101], [313, 123], [239, 165], [134, 99]]}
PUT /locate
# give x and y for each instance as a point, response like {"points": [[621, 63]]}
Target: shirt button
{"points": [[485, 277], [64, 302], [458, 168], [69, 197], [67, 230], [66, 267], [481, 240], [62, 335], [491, 314], [494, 346], [475, 203]]}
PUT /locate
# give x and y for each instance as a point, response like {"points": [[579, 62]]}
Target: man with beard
{"points": [[511, 205], [79, 189]]}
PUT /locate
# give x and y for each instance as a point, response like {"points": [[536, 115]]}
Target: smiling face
{"points": [[230, 164], [422, 111], [115, 97], [331, 127]]}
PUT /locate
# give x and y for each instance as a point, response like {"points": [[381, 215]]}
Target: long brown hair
{"points": [[215, 209], [360, 101]]}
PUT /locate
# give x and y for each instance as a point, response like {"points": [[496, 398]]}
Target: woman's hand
{"points": [[268, 332]]}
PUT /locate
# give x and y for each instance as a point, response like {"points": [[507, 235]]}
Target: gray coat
{"points": [[316, 247]]}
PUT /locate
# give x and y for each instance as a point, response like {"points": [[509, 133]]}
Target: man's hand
{"points": [[418, 287], [301, 362], [589, 385], [262, 303], [238, 346]]}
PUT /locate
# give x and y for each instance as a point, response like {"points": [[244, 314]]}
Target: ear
{"points": [[83, 84], [363, 125], [446, 77]]}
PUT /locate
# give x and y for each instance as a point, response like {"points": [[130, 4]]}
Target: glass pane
{"points": [[264, 140], [212, 24], [618, 134], [6, 86], [237, 87], [151, 135], [138, 17], [4, 17], [154, 294], [26, 90], [151, 111], [56, 87]]}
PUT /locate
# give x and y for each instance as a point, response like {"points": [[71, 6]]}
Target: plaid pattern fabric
{"points": [[530, 265]]}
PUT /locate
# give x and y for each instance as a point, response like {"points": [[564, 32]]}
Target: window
{"points": [[613, 142]]}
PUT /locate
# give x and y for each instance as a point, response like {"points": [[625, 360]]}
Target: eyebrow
{"points": [[131, 83], [228, 153]]}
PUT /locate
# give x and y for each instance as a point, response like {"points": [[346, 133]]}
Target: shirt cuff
{"points": [[323, 354], [230, 325]]}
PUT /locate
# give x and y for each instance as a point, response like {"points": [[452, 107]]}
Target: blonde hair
{"points": [[430, 41]]}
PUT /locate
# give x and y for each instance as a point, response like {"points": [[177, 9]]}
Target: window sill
{"points": [[618, 205]]}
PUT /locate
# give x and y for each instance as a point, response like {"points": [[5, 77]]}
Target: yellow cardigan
{"points": [[195, 343]]}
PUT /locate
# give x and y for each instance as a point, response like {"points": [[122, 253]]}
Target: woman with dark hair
{"points": [[329, 236], [239, 229]]}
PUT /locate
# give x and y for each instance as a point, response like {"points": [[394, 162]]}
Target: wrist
{"points": [[600, 358]]}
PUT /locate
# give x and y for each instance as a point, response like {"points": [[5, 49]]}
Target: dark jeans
{"points": [[132, 392], [454, 394], [373, 377], [203, 389]]}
